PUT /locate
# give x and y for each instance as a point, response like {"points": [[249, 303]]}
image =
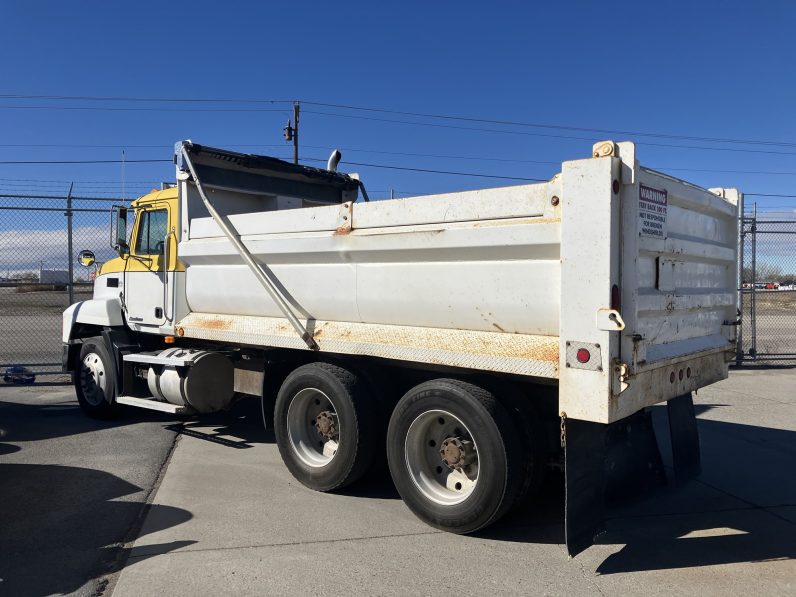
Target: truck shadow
{"points": [[47, 544], [240, 427], [23, 421], [742, 508]]}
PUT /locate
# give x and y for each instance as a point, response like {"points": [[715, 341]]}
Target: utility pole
{"points": [[296, 109], [292, 131], [69, 244]]}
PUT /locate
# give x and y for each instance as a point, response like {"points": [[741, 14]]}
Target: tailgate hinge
{"points": [[620, 373]]}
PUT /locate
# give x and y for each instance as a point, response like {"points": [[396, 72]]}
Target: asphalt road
{"points": [[73, 490]]}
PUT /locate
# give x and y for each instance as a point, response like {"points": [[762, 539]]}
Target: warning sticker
{"points": [[652, 211]]}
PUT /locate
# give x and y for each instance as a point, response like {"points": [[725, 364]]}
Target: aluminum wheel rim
{"points": [[312, 448], [93, 380], [437, 482]]}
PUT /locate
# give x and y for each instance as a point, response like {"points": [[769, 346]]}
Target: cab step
{"points": [[152, 404]]}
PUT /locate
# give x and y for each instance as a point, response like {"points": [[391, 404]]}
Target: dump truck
{"points": [[475, 341]]}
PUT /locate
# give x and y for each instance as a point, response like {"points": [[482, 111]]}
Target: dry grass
{"points": [[40, 302], [773, 302]]}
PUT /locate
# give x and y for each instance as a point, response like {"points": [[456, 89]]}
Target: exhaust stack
{"points": [[334, 159]]}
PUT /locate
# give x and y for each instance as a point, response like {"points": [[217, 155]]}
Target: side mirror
{"points": [[86, 258], [121, 226], [119, 230]]}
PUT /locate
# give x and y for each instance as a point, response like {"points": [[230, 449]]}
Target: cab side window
{"points": [[152, 229]]}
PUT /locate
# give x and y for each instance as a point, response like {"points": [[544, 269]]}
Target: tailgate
{"points": [[679, 271], [678, 280]]}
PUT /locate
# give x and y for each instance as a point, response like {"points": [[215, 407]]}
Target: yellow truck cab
{"points": [[138, 287]]}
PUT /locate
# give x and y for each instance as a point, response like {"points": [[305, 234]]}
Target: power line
{"points": [[76, 181], [547, 135], [125, 145], [62, 185], [365, 164], [555, 126], [768, 195], [107, 109], [402, 113], [400, 153], [146, 99], [81, 161], [766, 172], [479, 175], [74, 197]]}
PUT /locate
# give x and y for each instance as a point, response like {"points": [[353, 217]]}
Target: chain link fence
{"points": [[768, 290], [40, 238]]}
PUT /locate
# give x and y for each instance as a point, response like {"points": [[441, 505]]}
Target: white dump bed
{"points": [[635, 267]]}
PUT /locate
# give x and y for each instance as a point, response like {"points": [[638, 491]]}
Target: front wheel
{"points": [[95, 380], [455, 456]]}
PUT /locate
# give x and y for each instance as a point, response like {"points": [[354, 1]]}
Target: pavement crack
{"points": [[108, 581], [145, 554], [699, 512], [753, 505], [590, 578]]}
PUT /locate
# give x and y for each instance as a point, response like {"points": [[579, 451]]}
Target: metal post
{"points": [[296, 109], [69, 244], [741, 235], [753, 302]]}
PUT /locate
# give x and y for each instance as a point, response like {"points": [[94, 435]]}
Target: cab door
{"points": [[146, 271]]}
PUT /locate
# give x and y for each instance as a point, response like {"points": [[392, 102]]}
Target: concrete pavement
{"points": [[253, 529]]}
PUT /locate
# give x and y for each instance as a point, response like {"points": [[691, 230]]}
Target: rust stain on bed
{"points": [[431, 345], [213, 323]]}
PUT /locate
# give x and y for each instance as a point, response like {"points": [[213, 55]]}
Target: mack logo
{"points": [[652, 195]]}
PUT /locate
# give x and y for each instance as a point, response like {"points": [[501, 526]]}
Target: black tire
{"points": [[532, 434], [95, 367], [354, 411], [499, 451]]}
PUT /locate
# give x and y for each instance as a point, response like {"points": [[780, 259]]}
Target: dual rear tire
{"points": [[323, 422], [456, 457]]}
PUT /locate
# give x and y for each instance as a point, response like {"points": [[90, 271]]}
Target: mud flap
{"points": [[584, 474], [683, 431], [606, 465]]}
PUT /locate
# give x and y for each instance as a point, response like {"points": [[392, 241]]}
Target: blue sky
{"points": [[707, 69]]}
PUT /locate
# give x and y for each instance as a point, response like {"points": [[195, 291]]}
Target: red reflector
{"points": [[583, 355]]}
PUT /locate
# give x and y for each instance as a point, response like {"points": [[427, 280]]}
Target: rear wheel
{"points": [[324, 426], [455, 456], [95, 380]]}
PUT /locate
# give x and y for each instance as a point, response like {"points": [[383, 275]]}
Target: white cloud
{"points": [[27, 250]]}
